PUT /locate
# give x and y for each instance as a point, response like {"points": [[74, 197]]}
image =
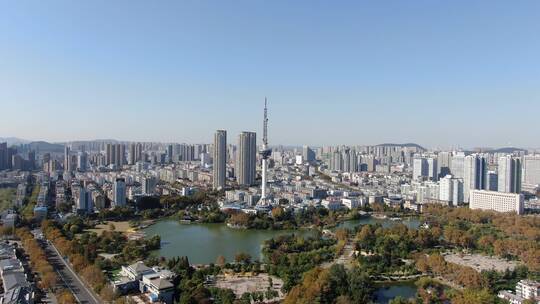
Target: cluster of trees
{"points": [[436, 265], [38, 259], [386, 248], [504, 234], [332, 285], [82, 264], [281, 218], [289, 256]]}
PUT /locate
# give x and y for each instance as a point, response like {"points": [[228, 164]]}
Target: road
{"points": [[69, 278]]}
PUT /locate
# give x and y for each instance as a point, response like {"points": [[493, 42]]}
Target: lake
{"points": [[203, 243], [388, 291]]}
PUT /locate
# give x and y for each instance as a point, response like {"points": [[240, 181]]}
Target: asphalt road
{"points": [[68, 277]]}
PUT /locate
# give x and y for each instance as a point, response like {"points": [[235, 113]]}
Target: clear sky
{"points": [[439, 73]]}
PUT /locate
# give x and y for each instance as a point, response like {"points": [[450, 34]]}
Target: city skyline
{"points": [[356, 73]]}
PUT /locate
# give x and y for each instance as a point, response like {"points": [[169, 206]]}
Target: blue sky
{"points": [[439, 73]]}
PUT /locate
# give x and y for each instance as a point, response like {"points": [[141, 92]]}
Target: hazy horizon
{"points": [[440, 74]]}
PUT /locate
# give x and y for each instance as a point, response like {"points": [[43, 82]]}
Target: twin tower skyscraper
{"points": [[246, 160], [246, 157]]}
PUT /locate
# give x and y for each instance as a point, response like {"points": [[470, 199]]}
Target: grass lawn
{"points": [[118, 226]]}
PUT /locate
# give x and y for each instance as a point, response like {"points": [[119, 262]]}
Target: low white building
{"points": [[496, 201]]}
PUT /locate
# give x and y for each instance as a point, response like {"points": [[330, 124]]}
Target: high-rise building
{"points": [[474, 174], [247, 158], [492, 181], [67, 159], [148, 184], [109, 154], [82, 160], [420, 168], [496, 201], [451, 190], [308, 154], [4, 160], [170, 153], [457, 165], [444, 160], [119, 192], [84, 201], [132, 156], [509, 173], [432, 169], [220, 159], [531, 172]]}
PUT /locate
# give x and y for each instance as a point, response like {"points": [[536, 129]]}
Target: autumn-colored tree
{"points": [[65, 297], [220, 261], [474, 296], [107, 294], [242, 257]]}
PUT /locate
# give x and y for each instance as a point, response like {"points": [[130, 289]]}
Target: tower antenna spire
{"points": [[265, 125], [265, 154]]}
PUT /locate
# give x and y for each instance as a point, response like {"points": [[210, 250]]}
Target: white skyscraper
{"points": [[247, 158], [420, 168], [220, 159], [119, 193], [432, 169], [531, 172], [474, 174], [451, 190], [457, 165], [509, 171]]}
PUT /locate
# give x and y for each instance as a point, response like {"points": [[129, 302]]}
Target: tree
{"points": [[48, 281], [242, 257], [360, 286], [474, 296], [107, 294], [65, 297], [220, 261]]}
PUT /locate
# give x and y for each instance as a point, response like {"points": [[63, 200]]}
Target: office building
{"points": [[82, 160], [432, 169], [220, 159], [492, 181], [84, 202], [531, 172], [247, 158], [509, 174], [496, 201], [474, 174], [457, 165], [4, 156], [119, 192], [420, 168], [444, 160], [308, 154], [451, 190], [67, 159]]}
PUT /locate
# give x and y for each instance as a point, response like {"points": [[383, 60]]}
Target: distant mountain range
{"points": [[504, 150], [14, 140]]}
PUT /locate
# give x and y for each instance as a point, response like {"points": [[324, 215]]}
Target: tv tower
{"points": [[265, 154]]}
